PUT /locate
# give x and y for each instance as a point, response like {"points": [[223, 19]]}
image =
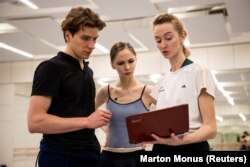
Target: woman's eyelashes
{"points": [[158, 40], [131, 61], [122, 63], [167, 38]]}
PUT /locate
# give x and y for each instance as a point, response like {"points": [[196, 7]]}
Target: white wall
{"points": [[13, 108], [6, 123]]}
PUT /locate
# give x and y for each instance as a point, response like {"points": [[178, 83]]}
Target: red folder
{"points": [[160, 122]]}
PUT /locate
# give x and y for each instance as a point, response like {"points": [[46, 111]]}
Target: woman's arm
{"points": [[101, 96], [208, 129], [146, 98]]}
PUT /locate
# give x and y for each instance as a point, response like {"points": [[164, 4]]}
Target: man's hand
{"points": [[99, 118]]}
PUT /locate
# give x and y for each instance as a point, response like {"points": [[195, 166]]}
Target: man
{"points": [[62, 105]]}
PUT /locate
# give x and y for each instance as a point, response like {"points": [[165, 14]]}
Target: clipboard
{"points": [[161, 122]]}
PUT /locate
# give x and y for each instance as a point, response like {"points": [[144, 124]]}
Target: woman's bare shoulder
{"points": [[103, 90]]}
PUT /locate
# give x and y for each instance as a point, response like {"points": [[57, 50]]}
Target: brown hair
{"points": [[119, 46], [170, 18], [80, 17]]}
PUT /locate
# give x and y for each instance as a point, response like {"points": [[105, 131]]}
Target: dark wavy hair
{"points": [[80, 17]]}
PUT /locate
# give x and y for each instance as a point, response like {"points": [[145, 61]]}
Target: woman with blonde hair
{"points": [[184, 83]]}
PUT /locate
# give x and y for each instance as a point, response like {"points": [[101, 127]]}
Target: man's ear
{"points": [[67, 35]]}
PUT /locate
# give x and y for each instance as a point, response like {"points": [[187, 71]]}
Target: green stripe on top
{"points": [[186, 62]]}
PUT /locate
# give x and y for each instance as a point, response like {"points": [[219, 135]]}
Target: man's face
{"points": [[82, 43]]}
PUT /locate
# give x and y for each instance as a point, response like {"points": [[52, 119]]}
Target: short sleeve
{"points": [[206, 81], [46, 80]]}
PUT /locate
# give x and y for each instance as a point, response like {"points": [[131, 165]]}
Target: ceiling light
{"points": [[10, 48], [102, 48], [143, 47], [6, 28], [30, 4], [242, 116], [222, 90], [219, 118]]}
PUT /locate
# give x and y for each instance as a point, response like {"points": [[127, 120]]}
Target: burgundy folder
{"points": [[160, 122]]}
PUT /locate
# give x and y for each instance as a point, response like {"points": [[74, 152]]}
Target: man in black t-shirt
{"points": [[62, 105]]}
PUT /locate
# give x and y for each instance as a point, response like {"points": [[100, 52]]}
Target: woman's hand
{"points": [[173, 140]]}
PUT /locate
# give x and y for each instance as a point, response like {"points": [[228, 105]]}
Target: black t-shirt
{"points": [[73, 92]]}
